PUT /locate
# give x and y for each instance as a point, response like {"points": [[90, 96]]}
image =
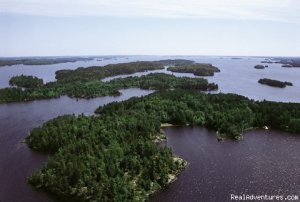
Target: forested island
{"points": [[86, 82], [275, 83], [41, 60], [198, 69], [113, 157], [260, 66]]}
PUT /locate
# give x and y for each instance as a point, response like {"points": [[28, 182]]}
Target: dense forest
{"points": [[86, 82], [275, 83], [26, 81], [198, 69], [113, 157]]}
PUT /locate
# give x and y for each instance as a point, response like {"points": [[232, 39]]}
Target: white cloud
{"points": [[274, 10]]}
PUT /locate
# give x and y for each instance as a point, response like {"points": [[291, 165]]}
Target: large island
{"points": [[114, 156]]}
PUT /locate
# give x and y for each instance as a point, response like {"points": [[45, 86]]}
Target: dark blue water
{"points": [[264, 162]]}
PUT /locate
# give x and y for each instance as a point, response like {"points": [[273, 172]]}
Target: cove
{"points": [[263, 162]]}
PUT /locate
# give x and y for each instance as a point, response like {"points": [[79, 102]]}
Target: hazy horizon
{"points": [[141, 55], [31, 28]]}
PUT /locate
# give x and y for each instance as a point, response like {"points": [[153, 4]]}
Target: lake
{"points": [[265, 161]]}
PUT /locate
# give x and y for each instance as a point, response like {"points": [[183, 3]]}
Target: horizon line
{"points": [[123, 55]]}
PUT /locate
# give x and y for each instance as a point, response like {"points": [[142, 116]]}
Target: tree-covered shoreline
{"points": [[86, 82], [113, 157]]}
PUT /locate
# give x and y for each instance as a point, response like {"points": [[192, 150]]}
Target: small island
{"points": [[260, 66], [274, 83], [198, 69]]}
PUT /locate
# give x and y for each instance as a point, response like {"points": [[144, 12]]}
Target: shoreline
{"points": [[172, 177]]}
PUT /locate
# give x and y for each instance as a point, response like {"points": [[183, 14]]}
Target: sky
{"points": [[149, 27]]}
